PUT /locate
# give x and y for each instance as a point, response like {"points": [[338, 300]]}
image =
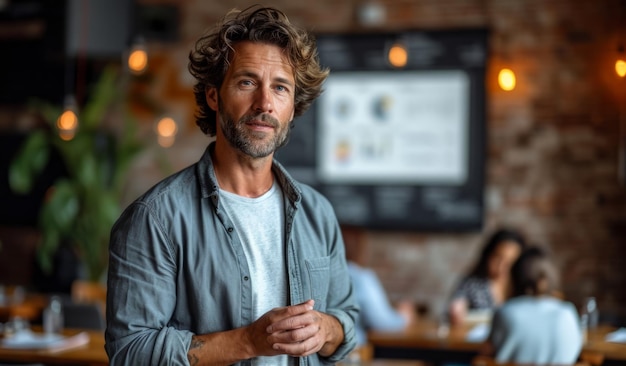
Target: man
{"points": [[230, 260]]}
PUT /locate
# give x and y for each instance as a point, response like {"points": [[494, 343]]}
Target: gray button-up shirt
{"points": [[177, 268]]}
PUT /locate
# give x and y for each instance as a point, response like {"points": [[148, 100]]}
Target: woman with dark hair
{"points": [[487, 285], [535, 327]]}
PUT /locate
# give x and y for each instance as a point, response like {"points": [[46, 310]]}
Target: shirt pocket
{"points": [[318, 270]]}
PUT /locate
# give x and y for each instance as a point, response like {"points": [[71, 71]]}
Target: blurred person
{"points": [[487, 284], [534, 326], [377, 312], [232, 261]]}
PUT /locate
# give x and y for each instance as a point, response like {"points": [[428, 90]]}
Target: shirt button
{"points": [[230, 229], [245, 278]]}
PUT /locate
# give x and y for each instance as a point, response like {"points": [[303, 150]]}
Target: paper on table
{"points": [[478, 333], [27, 339], [479, 316], [618, 336]]}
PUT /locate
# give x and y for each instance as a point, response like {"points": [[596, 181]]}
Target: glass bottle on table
{"points": [[589, 316], [590, 307], [53, 316]]}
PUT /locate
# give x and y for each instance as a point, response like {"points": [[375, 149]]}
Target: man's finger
{"points": [[293, 310]]}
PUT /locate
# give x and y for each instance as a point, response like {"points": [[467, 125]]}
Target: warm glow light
{"points": [[620, 68], [166, 130], [506, 79], [67, 121], [398, 55], [166, 127], [67, 124], [138, 60]]}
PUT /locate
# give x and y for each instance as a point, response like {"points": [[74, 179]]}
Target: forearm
{"points": [[334, 336], [220, 348], [457, 311]]}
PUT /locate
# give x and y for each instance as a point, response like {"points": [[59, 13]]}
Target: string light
{"points": [[398, 55], [138, 57], [506, 79], [620, 64], [67, 123], [620, 68], [166, 129]]}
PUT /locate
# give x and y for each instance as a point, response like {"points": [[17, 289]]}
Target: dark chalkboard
{"points": [[398, 147]]}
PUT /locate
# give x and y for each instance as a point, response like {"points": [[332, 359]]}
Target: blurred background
{"points": [[552, 154]]}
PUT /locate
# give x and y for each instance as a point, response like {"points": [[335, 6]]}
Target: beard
{"points": [[253, 143]]}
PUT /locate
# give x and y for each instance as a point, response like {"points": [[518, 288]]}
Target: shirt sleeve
{"points": [[342, 302], [476, 292], [140, 288]]}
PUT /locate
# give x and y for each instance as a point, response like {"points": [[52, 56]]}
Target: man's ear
{"points": [[211, 98]]}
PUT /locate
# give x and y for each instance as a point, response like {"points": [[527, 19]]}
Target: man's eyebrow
{"points": [[253, 74], [284, 81], [245, 73]]}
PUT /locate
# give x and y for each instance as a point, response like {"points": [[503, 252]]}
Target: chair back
{"points": [[83, 315]]}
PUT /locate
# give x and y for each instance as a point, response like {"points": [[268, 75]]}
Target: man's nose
{"points": [[263, 100]]}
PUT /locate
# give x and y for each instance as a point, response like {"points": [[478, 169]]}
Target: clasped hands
{"points": [[295, 330]]}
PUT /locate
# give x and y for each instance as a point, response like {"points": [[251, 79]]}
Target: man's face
{"points": [[255, 104]]}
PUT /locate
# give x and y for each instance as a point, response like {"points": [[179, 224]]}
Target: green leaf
{"points": [[47, 248], [61, 208], [30, 161]]}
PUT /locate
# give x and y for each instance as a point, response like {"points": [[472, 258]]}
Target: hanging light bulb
{"points": [[506, 79], [67, 123], [138, 57], [397, 55], [166, 129], [620, 68], [620, 64]]}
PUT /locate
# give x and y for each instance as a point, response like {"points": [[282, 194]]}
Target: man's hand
{"points": [[296, 330]]}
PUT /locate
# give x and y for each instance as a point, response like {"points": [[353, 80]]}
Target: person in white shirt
{"points": [[534, 326]]}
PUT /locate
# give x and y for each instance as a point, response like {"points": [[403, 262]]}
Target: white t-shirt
{"points": [[259, 223]]}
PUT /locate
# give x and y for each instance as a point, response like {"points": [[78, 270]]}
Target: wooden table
{"points": [[613, 352], [92, 354], [423, 342]]}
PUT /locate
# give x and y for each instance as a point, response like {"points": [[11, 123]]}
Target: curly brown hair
{"points": [[209, 60]]}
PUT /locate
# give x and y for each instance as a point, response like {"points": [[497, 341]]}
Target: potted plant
{"points": [[81, 206]]}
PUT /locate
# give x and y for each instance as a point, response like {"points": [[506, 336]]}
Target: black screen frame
{"points": [[431, 207]]}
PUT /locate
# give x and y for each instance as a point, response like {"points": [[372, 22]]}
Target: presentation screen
{"points": [[409, 127], [397, 147]]}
